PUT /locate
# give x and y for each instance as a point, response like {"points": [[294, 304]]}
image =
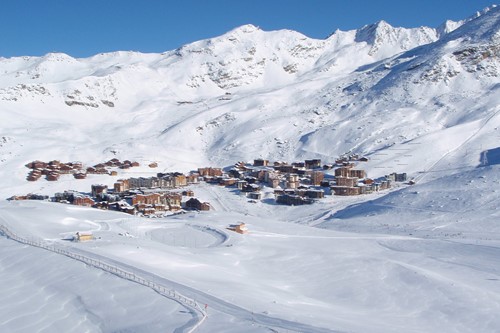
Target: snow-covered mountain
{"points": [[251, 93]]}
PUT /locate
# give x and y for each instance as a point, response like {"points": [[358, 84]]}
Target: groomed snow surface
{"points": [[417, 259]]}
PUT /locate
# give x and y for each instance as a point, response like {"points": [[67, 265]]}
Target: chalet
{"points": [[315, 194], [397, 177], [153, 165], [385, 184], [83, 236], [147, 199], [80, 175], [36, 165], [101, 205], [357, 173], [65, 168], [345, 190], [260, 162], [286, 168], [179, 179], [312, 164], [326, 183], [368, 181], [212, 172], [273, 182], [188, 193], [239, 228], [135, 164], [77, 165], [66, 196], [241, 166], [241, 184], [121, 185], [173, 200], [254, 195], [235, 173], [122, 206], [251, 188], [129, 210], [29, 196], [260, 175], [34, 175], [227, 181], [125, 166], [143, 182], [98, 189], [292, 180], [196, 204], [83, 200], [193, 178], [166, 180], [292, 200], [251, 180], [55, 164], [53, 176], [349, 172], [346, 181], [317, 177]]}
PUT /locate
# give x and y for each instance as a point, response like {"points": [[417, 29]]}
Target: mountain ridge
{"points": [[250, 93]]}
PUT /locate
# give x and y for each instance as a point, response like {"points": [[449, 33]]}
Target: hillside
{"points": [[250, 93]]}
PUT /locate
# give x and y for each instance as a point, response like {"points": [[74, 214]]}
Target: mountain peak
{"points": [[247, 28], [370, 33], [381, 35]]}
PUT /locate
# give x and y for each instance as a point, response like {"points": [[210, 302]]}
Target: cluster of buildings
{"points": [[300, 183], [296, 183], [54, 169], [144, 200]]}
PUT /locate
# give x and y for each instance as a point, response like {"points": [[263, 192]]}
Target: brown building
{"points": [[173, 200], [196, 204], [98, 189], [121, 185], [260, 162], [180, 180], [312, 164], [347, 181], [83, 201], [317, 177], [210, 172], [80, 175], [53, 176], [344, 190]]}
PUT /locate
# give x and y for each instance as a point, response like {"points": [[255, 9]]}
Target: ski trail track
{"points": [[187, 296]]}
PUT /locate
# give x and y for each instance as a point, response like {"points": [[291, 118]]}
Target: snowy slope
{"points": [[251, 93]]}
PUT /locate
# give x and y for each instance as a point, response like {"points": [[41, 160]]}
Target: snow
{"points": [[419, 258]]}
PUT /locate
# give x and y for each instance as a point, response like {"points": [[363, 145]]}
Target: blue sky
{"points": [[82, 28]]}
